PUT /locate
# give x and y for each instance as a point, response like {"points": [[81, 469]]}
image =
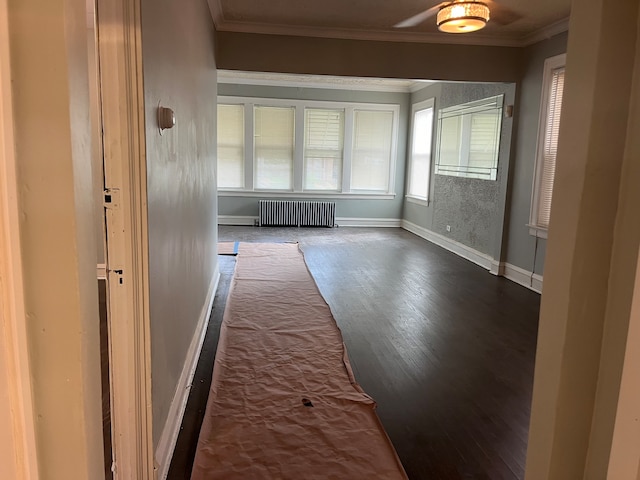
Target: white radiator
{"points": [[297, 213]]}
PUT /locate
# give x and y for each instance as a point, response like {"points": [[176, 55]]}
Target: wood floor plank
{"points": [[445, 348]]}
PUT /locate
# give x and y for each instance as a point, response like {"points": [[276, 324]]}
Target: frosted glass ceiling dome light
{"points": [[462, 17]]}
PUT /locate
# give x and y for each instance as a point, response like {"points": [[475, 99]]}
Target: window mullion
{"points": [[347, 149], [298, 152], [249, 147], [465, 141]]}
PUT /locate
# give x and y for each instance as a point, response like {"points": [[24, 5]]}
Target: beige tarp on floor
{"points": [[283, 402]]}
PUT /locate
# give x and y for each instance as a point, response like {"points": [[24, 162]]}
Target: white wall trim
{"points": [[368, 222], [340, 221], [120, 56], [305, 195], [18, 452], [169, 435], [458, 248], [330, 82], [522, 277], [417, 200], [247, 221], [539, 232], [215, 7], [501, 269], [497, 268], [546, 32], [395, 35]]}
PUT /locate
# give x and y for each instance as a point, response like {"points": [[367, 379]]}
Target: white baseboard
{"points": [[501, 269], [368, 222], [522, 277], [516, 274], [341, 221], [497, 268], [458, 248], [169, 436], [237, 220]]}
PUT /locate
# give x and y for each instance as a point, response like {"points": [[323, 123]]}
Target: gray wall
{"points": [[474, 208], [354, 208], [521, 246], [179, 71]]}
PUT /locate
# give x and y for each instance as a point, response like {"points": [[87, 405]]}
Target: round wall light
{"points": [[166, 118]]}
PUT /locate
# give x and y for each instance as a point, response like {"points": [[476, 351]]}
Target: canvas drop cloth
{"points": [[283, 402]]}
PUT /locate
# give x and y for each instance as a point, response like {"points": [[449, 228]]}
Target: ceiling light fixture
{"points": [[462, 17]]}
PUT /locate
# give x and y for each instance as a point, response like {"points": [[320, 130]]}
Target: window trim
{"points": [[308, 194], [298, 164], [417, 107], [550, 64]]}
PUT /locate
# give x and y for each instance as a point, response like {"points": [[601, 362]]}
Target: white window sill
{"points": [[417, 200], [536, 231], [272, 194]]}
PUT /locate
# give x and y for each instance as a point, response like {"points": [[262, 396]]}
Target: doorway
{"points": [[118, 152]]}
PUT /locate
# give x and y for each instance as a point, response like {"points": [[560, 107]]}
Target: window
{"points": [[371, 150], [469, 139], [274, 137], [230, 146], [307, 148], [550, 111], [323, 145], [420, 154]]}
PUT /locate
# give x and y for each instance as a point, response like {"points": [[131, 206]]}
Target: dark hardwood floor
{"points": [[445, 348]]}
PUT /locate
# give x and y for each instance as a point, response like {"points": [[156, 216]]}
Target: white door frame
{"points": [[120, 65], [17, 443]]}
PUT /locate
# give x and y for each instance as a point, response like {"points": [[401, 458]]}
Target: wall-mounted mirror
{"points": [[469, 139]]}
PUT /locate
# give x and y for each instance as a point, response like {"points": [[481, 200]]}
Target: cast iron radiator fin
{"points": [[297, 213]]}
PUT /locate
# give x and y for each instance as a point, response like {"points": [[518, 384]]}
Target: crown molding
{"points": [[215, 7], [321, 81], [397, 35], [546, 32], [417, 86], [370, 35]]}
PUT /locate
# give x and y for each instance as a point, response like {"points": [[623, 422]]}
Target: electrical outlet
{"points": [[448, 228]]}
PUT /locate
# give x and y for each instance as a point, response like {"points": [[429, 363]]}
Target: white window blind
{"points": [[483, 143], [274, 147], [230, 146], [550, 147], [307, 147], [323, 148], [372, 141], [420, 166]]}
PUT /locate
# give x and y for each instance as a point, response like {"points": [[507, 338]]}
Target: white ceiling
{"points": [[513, 23]]}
